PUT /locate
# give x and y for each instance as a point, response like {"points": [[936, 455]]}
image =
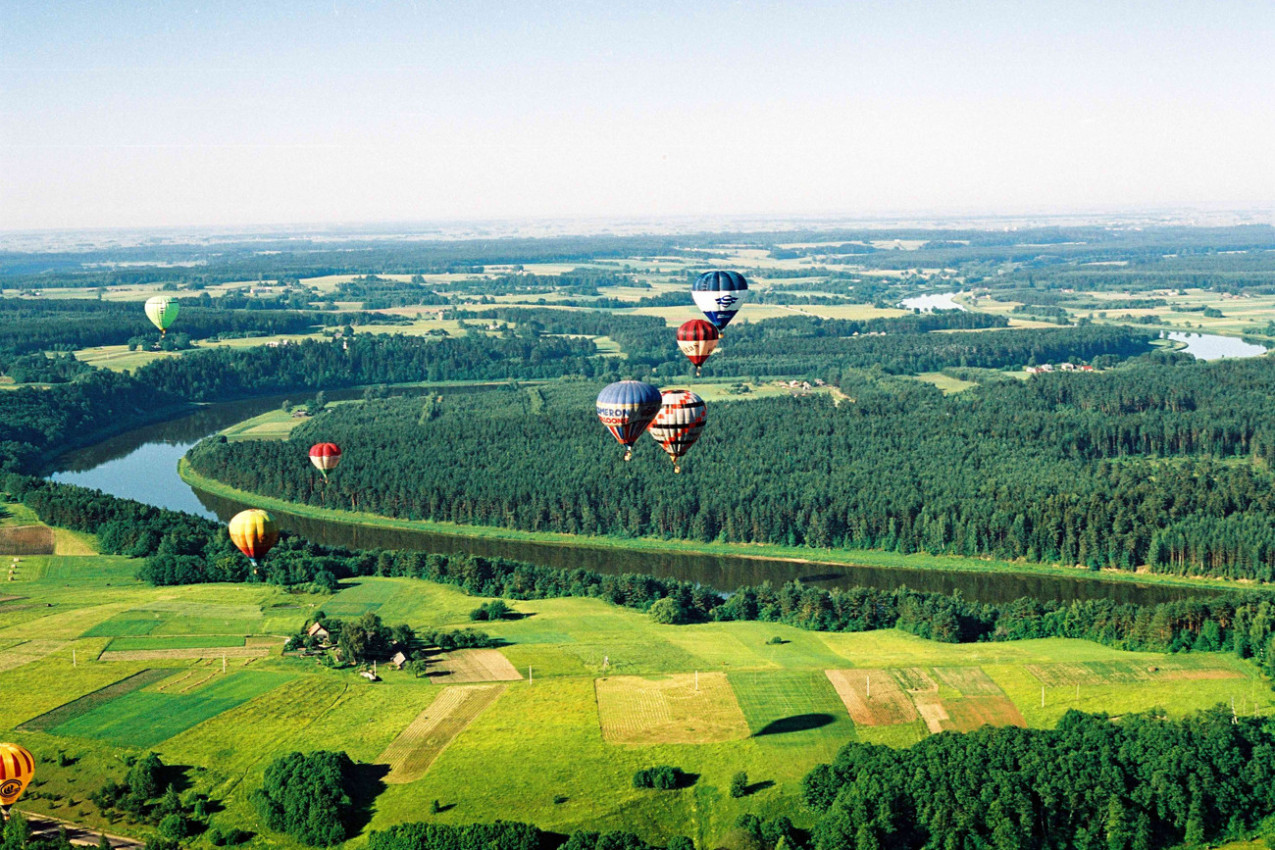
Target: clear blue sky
{"points": [[178, 113]]}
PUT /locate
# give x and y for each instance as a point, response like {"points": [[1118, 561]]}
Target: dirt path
{"points": [[46, 826]]}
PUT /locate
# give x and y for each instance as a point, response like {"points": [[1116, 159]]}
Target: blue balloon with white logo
{"points": [[719, 295], [626, 408]]}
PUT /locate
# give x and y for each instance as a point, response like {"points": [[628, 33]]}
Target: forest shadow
{"points": [[176, 776], [796, 723], [686, 780], [367, 783]]}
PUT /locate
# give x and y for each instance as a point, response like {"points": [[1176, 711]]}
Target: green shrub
{"points": [[661, 778]]}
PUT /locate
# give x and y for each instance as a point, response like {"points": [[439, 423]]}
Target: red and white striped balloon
{"points": [[325, 457]]}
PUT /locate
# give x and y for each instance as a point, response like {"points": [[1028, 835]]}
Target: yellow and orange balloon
{"points": [[16, 769], [254, 532]]}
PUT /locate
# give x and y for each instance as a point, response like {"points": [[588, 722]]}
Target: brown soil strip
{"points": [[26, 540], [873, 697], [473, 665]]}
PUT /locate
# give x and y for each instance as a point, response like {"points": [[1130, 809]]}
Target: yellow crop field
{"points": [[670, 710]]}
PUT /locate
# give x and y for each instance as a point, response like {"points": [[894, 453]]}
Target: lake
{"points": [[935, 301], [142, 465], [1214, 346]]}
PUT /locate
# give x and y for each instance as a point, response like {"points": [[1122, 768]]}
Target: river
{"points": [[142, 465]]}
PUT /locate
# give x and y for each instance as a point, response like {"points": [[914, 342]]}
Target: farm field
{"points": [[612, 693], [1241, 315]]}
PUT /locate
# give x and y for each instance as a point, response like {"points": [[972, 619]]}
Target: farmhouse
{"points": [[398, 660], [316, 630]]}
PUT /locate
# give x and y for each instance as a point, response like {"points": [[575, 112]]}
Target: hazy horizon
{"points": [[131, 116]]}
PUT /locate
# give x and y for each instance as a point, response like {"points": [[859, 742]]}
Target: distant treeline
{"points": [[28, 325], [648, 341], [828, 357], [1142, 783], [183, 549]]}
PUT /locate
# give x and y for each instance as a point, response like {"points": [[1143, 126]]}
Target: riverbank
{"points": [[848, 558]]}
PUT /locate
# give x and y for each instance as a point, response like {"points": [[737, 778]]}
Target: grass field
{"points": [[271, 425], [145, 718], [125, 644], [613, 692]]}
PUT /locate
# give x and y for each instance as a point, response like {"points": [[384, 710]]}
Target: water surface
{"points": [[933, 301], [1215, 346]]}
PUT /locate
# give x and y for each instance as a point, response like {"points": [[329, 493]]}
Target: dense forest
{"points": [[36, 423], [1149, 464], [1140, 784]]}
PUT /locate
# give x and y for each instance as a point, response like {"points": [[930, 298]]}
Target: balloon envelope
{"points": [[697, 339], [325, 457], [679, 423], [16, 769], [626, 408], [718, 295], [254, 532], [162, 311]]}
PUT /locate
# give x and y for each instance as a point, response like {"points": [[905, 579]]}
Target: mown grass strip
{"points": [[144, 719], [79, 707]]}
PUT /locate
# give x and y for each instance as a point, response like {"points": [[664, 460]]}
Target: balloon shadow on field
{"points": [[796, 723]]}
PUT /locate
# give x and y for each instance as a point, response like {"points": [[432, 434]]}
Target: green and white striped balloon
{"points": [[162, 311]]}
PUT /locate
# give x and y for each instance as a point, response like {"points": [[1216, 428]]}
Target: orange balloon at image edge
{"points": [[17, 766]]}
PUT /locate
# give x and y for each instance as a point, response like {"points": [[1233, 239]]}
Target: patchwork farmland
{"points": [[101, 668]]}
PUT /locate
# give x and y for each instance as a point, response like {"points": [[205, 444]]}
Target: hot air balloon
{"points": [[697, 339], [626, 408], [162, 311], [718, 295], [255, 533], [16, 769], [325, 457], [678, 424]]}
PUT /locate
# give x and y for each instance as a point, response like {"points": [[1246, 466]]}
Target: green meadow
{"points": [[535, 748]]}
